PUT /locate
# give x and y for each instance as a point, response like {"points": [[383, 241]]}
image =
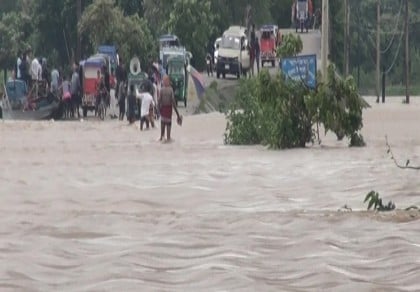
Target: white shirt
{"points": [[18, 62], [146, 101], [155, 92], [36, 70]]}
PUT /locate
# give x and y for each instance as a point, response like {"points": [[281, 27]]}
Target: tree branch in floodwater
{"points": [[406, 166]]}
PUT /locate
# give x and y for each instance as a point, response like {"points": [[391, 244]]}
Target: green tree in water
{"points": [[282, 113]]}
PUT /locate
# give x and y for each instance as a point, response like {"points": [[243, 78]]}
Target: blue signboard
{"points": [[300, 68]]}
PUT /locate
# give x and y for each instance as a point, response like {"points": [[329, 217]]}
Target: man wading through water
{"points": [[166, 103]]}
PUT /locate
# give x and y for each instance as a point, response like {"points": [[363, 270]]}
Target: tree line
{"points": [[51, 27]]}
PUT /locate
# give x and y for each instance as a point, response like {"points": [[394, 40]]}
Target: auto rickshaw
{"points": [[179, 77], [90, 68], [139, 79]]}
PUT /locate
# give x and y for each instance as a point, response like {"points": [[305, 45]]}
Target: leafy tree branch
{"points": [[406, 166]]}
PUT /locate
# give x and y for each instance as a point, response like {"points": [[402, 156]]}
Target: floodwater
{"points": [[101, 206]]}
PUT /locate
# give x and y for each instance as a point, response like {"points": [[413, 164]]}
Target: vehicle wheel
{"points": [[84, 112]]}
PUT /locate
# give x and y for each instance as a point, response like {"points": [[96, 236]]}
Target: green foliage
{"points": [[50, 24], [375, 202], [340, 107], [14, 32], [243, 125], [270, 111], [281, 113], [131, 7], [291, 46], [188, 14], [48, 37], [131, 33]]}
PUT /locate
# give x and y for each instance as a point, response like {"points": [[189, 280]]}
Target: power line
{"points": [[395, 31], [396, 56]]}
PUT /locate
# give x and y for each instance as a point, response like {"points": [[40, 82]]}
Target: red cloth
{"points": [[166, 113]]}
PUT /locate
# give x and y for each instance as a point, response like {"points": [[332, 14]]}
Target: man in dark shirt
{"points": [[120, 75], [131, 100], [257, 54], [107, 83]]}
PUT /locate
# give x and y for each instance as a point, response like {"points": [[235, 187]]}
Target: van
{"points": [[233, 54]]}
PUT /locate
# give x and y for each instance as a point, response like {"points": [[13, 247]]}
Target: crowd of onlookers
{"points": [[155, 101], [40, 82]]}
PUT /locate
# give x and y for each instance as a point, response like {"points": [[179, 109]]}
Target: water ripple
{"points": [[90, 211]]}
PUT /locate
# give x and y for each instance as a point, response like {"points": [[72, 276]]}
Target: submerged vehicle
{"points": [[233, 54], [177, 71], [268, 44], [19, 103]]}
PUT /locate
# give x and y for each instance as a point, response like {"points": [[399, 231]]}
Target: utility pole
{"points": [[78, 43], [324, 39], [407, 57], [378, 49], [347, 38]]}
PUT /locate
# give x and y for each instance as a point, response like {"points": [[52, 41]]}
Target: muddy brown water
{"points": [[99, 206]]}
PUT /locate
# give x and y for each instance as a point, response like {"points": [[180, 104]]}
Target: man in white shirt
{"points": [[146, 115], [18, 63], [36, 70], [55, 75]]}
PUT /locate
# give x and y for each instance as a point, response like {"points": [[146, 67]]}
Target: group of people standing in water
{"points": [[157, 101]]}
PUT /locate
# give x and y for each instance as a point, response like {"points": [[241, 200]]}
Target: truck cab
{"points": [[233, 53]]}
